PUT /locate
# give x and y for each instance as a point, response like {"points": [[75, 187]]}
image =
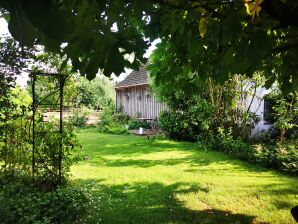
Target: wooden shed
{"points": [[134, 96]]}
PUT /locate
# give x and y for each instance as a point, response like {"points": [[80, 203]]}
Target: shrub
{"points": [[286, 113], [265, 136], [186, 118], [179, 126], [47, 158], [233, 146], [21, 202], [135, 123], [111, 123], [51, 161], [121, 118], [280, 157], [79, 117], [114, 128]]}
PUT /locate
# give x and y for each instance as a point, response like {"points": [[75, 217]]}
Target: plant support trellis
{"points": [[35, 104]]}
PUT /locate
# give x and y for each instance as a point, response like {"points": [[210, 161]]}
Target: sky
{"points": [[147, 54], [22, 80], [3, 26]]}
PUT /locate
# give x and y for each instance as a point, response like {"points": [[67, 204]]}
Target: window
{"points": [[268, 114]]}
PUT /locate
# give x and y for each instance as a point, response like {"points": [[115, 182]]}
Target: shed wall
{"points": [[138, 101]]}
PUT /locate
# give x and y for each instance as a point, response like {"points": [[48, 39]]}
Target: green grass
{"points": [[133, 180]]}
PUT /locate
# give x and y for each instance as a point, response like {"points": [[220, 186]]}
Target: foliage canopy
{"points": [[215, 38]]}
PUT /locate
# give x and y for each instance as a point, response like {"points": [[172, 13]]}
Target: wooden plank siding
{"points": [[138, 101]]}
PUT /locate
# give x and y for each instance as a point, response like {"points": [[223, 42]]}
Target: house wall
{"points": [[138, 101], [257, 107]]}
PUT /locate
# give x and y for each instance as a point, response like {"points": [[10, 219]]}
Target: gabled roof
{"points": [[135, 78]]}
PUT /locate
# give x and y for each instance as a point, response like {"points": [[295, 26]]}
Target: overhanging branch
{"points": [[285, 13], [193, 6]]}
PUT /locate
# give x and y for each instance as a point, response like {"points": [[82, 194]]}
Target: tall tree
{"points": [[95, 93], [13, 61]]}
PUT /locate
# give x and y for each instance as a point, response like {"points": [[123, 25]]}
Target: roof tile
{"points": [[135, 78]]}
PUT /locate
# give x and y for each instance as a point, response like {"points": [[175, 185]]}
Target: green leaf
{"points": [[240, 67], [255, 49], [253, 53], [135, 65], [203, 27], [49, 19], [20, 27], [264, 40], [50, 44], [241, 50], [228, 57], [115, 63], [101, 4], [269, 82], [227, 34], [96, 62], [63, 65]]}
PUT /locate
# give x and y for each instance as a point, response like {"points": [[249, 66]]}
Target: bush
{"points": [[112, 123], [280, 157], [135, 123], [47, 159], [233, 146], [79, 117], [121, 118], [51, 161], [114, 128], [21, 202], [186, 118], [179, 126]]}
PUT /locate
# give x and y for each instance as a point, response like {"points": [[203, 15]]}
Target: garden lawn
{"points": [[134, 180]]}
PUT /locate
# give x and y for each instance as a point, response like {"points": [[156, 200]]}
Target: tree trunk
{"points": [[282, 135]]}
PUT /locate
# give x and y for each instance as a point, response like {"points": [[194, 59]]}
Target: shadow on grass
{"points": [[129, 147], [157, 203], [153, 203], [197, 159], [144, 163]]}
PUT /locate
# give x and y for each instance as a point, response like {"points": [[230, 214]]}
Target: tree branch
{"points": [[205, 6], [285, 13]]}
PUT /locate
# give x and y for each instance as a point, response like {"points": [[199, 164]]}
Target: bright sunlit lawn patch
{"points": [[135, 180]]}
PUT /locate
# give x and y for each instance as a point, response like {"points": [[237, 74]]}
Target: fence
{"points": [[93, 116]]}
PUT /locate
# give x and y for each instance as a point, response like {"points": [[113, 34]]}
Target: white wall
{"points": [[258, 108]]}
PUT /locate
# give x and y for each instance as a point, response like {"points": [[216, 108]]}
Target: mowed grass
{"points": [[135, 180]]}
